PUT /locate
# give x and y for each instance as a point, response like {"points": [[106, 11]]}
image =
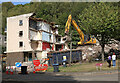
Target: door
{"points": [[30, 57]]}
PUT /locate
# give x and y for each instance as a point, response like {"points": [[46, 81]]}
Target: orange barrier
{"points": [[7, 70], [47, 59], [11, 71], [38, 66], [34, 71]]}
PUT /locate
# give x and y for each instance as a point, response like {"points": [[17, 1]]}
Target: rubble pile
{"points": [[94, 49]]}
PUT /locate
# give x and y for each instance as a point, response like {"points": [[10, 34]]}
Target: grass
{"points": [[84, 67]]}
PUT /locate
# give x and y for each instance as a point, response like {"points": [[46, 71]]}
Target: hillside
{"points": [[51, 11]]}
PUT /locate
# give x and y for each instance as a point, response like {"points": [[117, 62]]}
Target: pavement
{"points": [[64, 76]]}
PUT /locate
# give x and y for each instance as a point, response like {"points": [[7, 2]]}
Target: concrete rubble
{"points": [[95, 49]]}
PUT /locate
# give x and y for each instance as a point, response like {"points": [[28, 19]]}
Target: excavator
{"points": [[84, 39]]}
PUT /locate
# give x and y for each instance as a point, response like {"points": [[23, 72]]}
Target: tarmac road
{"points": [[86, 76]]}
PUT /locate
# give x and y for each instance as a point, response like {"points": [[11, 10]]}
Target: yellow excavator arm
{"points": [[79, 32], [83, 39], [68, 23]]}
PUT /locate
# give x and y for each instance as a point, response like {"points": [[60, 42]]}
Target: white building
{"points": [[29, 38]]}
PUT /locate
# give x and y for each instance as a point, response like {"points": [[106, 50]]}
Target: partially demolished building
{"points": [[30, 38]]}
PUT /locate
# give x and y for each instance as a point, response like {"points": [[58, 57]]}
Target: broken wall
{"points": [[43, 26], [33, 24], [46, 36]]}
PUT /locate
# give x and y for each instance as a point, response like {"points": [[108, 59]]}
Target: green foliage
{"points": [[50, 11], [2, 49], [58, 12], [101, 20], [5, 7]]}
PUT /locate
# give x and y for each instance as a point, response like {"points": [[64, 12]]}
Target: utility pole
{"points": [[70, 53], [70, 49]]}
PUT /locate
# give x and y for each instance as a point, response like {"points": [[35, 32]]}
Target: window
{"points": [[20, 22], [21, 44], [59, 39], [20, 33], [5, 38]]}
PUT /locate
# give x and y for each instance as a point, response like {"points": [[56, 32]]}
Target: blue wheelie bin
{"points": [[56, 67]]}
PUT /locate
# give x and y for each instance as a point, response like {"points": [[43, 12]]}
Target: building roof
{"points": [[40, 19], [25, 15]]}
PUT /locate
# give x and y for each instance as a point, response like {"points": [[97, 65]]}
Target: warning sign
{"points": [[64, 58], [36, 62]]}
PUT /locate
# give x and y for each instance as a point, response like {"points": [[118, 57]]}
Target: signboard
{"points": [[36, 62], [64, 58], [18, 64]]}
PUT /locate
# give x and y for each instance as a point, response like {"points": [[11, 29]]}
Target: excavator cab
{"points": [[86, 38]]}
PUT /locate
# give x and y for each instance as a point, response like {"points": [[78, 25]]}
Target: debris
{"points": [[95, 49]]}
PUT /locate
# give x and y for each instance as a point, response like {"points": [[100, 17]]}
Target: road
{"points": [[109, 76]]}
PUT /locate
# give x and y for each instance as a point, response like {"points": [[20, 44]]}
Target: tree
{"points": [[2, 49], [5, 7], [100, 20], [57, 12]]}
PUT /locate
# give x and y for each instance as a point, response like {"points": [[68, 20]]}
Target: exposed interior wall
{"points": [[44, 54], [51, 38], [32, 35], [45, 46], [43, 26], [46, 27], [35, 35], [59, 47], [39, 35], [58, 39], [54, 39], [39, 55], [46, 36], [33, 24], [34, 45], [39, 46], [52, 47]]}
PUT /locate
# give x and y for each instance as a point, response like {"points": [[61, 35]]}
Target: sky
{"points": [[16, 2]]}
